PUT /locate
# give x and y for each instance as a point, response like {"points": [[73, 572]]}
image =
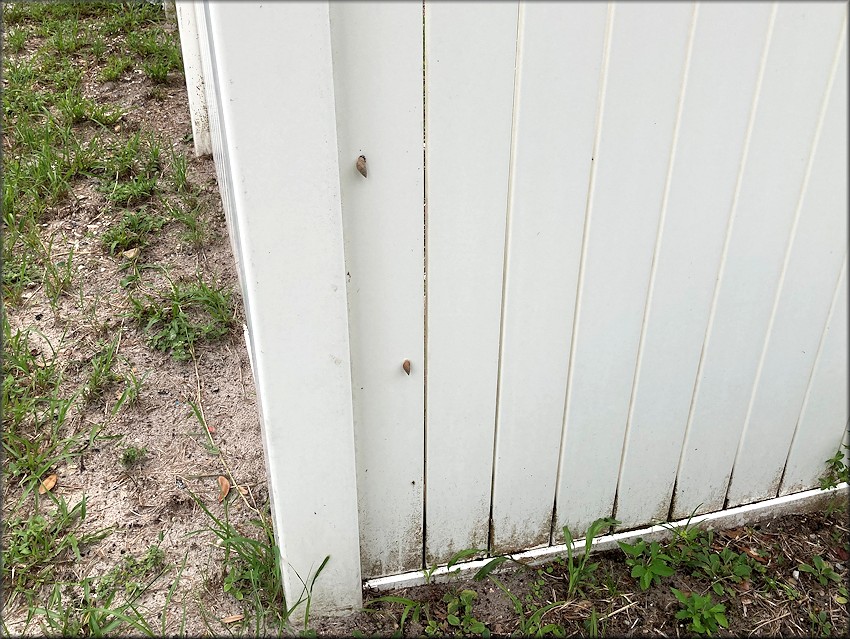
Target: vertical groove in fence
{"points": [[794, 84], [470, 59], [557, 93], [588, 210], [648, 47], [822, 425], [509, 204], [802, 301], [653, 269], [712, 139]]}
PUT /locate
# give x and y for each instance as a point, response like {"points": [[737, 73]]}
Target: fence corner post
{"points": [[272, 91]]}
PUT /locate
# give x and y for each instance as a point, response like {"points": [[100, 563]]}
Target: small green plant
{"points": [[87, 616], [410, 609], [719, 568], [133, 455], [115, 67], [459, 613], [157, 70], [132, 389], [820, 624], [837, 471], [251, 569], [131, 573], [132, 231], [530, 621], [33, 545], [580, 572], [102, 375], [704, 615], [190, 313], [647, 562], [821, 571]]}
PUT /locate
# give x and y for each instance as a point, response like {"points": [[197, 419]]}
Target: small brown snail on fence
{"points": [[361, 165]]}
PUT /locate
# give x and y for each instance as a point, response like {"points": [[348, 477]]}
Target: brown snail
{"points": [[361, 165], [406, 366]]}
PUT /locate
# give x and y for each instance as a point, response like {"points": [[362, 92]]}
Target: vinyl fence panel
{"points": [[377, 58]]}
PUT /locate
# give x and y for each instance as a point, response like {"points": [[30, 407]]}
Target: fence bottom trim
{"points": [[729, 518]]}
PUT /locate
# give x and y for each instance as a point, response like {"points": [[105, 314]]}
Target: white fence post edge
{"points": [[193, 70], [270, 81]]}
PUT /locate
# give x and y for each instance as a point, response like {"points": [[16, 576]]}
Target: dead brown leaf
{"points": [[224, 484], [132, 253], [232, 618], [48, 483]]}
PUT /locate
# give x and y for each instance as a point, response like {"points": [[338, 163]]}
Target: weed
{"points": [[647, 562], [34, 545], [837, 471], [15, 40], [703, 614], [459, 613], [530, 623], [179, 168], [101, 374], [821, 571], [717, 567], [157, 70], [132, 389], [131, 573], [115, 67], [410, 608], [251, 568], [591, 624], [132, 231], [133, 455], [190, 216], [137, 189], [820, 625], [189, 313], [579, 571]]}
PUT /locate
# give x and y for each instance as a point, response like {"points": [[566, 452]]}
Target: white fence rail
{"points": [[618, 268]]}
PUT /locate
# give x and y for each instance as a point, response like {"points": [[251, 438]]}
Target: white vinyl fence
{"points": [[609, 239]]}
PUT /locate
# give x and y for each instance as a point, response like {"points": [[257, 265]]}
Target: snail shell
{"points": [[361, 165]]}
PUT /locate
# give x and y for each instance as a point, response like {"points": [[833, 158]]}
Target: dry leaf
{"points": [[132, 253], [232, 618], [225, 487], [243, 490], [48, 483]]}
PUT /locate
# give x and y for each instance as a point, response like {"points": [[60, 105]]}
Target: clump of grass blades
{"points": [[188, 313], [33, 545], [132, 231]]}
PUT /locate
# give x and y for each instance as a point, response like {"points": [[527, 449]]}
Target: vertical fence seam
{"points": [[792, 236], [722, 269], [656, 251], [600, 111], [832, 306], [520, 28], [424, 295]]}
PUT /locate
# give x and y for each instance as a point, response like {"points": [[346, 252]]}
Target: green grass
{"points": [[35, 545], [133, 455], [186, 314], [58, 139], [131, 231]]}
